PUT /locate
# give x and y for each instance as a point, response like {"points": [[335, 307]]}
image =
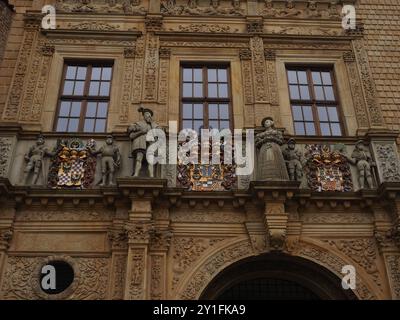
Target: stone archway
{"points": [[194, 283], [276, 276]]}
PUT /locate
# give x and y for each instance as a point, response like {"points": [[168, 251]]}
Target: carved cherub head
{"points": [[289, 4], [214, 3], [312, 5], [236, 4]]}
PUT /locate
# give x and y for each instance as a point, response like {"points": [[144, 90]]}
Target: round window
{"points": [[56, 276]]}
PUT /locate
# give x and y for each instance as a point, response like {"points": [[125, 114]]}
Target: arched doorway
{"points": [[276, 276]]}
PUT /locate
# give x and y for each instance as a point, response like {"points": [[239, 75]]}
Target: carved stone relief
{"points": [[393, 267], [118, 274], [375, 112], [332, 262], [20, 271], [16, 91], [356, 89], [214, 263], [260, 81], [128, 7], [6, 147], [387, 161], [185, 251], [192, 7]]}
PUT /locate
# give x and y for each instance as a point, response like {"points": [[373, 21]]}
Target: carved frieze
{"points": [[132, 7], [93, 26], [205, 28], [128, 75], [192, 7], [295, 10]]}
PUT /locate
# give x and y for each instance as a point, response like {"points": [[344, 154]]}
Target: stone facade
{"points": [[151, 239]]}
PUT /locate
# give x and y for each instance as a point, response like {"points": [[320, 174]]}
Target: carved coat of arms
{"points": [[327, 170], [73, 165]]}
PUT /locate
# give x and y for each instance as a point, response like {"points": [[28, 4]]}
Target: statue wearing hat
{"points": [[293, 160], [270, 164], [35, 160], [362, 159], [110, 160], [137, 134]]}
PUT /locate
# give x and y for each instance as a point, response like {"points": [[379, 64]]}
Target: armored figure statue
{"points": [[110, 160], [137, 134], [362, 159], [271, 165], [293, 160], [35, 158]]}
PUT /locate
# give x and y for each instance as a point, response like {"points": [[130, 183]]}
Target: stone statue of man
{"points": [[293, 159], [110, 161], [34, 158], [362, 159], [137, 134]]}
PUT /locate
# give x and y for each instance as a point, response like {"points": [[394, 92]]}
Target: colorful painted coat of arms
{"points": [[327, 170], [207, 177], [73, 166]]}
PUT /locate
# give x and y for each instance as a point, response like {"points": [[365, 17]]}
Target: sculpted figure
{"points": [[34, 159], [362, 159], [269, 10], [293, 160], [110, 161], [271, 165], [312, 11], [290, 10], [137, 134]]}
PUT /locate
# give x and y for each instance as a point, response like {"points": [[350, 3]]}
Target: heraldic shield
{"points": [[73, 166]]}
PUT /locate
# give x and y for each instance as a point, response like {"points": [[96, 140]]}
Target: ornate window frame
{"points": [[67, 292], [335, 61], [79, 53]]}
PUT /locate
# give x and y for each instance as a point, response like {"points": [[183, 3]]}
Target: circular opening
{"points": [[56, 276]]}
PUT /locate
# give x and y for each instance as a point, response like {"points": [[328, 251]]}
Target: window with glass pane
{"points": [[315, 107], [84, 97], [205, 97]]}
